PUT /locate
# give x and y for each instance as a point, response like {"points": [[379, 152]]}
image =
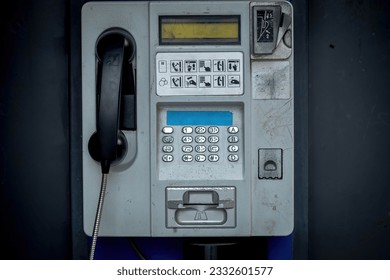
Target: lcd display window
{"points": [[198, 30]]}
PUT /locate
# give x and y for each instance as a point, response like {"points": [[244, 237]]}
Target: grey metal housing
{"points": [[226, 192]]}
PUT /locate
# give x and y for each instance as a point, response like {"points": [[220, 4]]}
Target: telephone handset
{"points": [[114, 76], [115, 95]]}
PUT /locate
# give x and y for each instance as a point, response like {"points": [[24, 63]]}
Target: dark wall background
{"points": [[349, 129], [34, 128], [343, 130]]}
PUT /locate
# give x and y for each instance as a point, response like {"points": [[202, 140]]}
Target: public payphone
{"points": [[189, 108]]}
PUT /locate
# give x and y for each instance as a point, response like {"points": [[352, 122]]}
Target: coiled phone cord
{"points": [[98, 215]]}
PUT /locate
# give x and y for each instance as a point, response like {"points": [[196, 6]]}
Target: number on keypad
{"points": [[200, 129]]}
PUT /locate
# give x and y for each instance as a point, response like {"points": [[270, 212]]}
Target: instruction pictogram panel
{"points": [[206, 73]]}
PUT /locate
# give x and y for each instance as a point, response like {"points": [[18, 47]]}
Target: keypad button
{"points": [[233, 129], [213, 158], [200, 149], [233, 148], [200, 129], [200, 139], [213, 148], [213, 139], [187, 158], [233, 158], [187, 130], [167, 130], [213, 129], [187, 139], [187, 149], [167, 149], [200, 158], [167, 158], [233, 139], [167, 139]]}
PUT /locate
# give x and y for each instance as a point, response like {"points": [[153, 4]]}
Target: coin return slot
{"points": [[270, 164], [201, 208]]}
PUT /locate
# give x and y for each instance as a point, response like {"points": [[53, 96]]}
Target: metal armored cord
{"points": [[98, 215]]}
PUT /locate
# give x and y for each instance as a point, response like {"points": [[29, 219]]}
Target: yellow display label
{"points": [[199, 31], [188, 30]]}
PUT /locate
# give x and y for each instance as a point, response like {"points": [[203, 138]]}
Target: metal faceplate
{"points": [[213, 153]]}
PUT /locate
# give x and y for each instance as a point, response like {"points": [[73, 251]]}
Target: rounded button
{"points": [[213, 148], [200, 149], [213, 158], [233, 158], [233, 129], [200, 129], [200, 139], [167, 158], [187, 158], [233, 148], [167, 139], [233, 139], [187, 149], [187, 130], [213, 139], [167, 130], [187, 139], [213, 129], [200, 158], [167, 149]]}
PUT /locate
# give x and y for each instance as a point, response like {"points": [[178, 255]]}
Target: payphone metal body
{"points": [[213, 151]]}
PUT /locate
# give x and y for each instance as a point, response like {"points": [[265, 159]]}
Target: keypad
{"points": [[199, 144]]}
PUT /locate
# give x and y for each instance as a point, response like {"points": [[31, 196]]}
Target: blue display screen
{"points": [[200, 118]]}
